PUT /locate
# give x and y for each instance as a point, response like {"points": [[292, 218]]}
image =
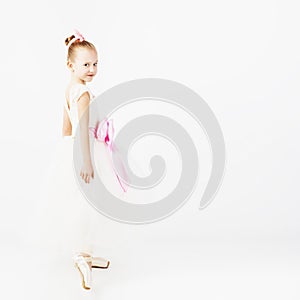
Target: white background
{"points": [[242, 58]]}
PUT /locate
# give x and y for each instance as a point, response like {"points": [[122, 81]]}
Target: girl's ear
{"points": [[70, 66]]}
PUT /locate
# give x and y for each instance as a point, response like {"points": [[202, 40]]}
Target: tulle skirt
{"points": [[66, 222]]}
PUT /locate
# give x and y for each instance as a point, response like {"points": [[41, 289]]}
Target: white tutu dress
{"points": [[68, 223]]}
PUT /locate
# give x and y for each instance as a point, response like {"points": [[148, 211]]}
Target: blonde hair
{"points": [[77, 45]]}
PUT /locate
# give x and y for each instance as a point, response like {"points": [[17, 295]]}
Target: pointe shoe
{"points": [[85, 270], [96, 262], [99, 262]]}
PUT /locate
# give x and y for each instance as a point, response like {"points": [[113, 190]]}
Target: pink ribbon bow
{"points": [[78, 36], [104, 132]]}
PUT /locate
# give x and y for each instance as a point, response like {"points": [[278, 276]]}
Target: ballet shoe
{"points": [[96, 262], [99, 262], [85, 269]]}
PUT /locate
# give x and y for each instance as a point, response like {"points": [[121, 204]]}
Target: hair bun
{"points": [[69, 39]]}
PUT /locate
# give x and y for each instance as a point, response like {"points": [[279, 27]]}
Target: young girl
{"points": [[82, 61], [69, 231]]}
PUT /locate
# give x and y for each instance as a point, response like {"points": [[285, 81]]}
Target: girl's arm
{"points": [[83, 116], [67, 126]]}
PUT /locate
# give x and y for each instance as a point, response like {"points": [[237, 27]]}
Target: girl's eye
{"points": [[86, 64], [95, 64]]}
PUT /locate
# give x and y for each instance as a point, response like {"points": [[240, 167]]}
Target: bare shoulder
{"points": [[84, 99], [83, 104]]}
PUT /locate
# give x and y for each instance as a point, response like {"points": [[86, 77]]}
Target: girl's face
{"points": [[84, 66]]}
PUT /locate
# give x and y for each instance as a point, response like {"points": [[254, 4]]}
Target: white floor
{"points": [[165, 270]]}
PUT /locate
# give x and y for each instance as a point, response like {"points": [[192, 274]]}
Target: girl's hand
{"points": [[87, 172]]}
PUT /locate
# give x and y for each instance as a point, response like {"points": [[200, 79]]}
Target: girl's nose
{"points": [[92, 69]]}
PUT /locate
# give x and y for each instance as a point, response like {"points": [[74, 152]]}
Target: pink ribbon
{"points": [[78, 36], [104, 132]]}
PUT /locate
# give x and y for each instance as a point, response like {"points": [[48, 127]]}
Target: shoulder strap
{"points": [[78, 91], [66, 105], [75, 93], [67, 109]]}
